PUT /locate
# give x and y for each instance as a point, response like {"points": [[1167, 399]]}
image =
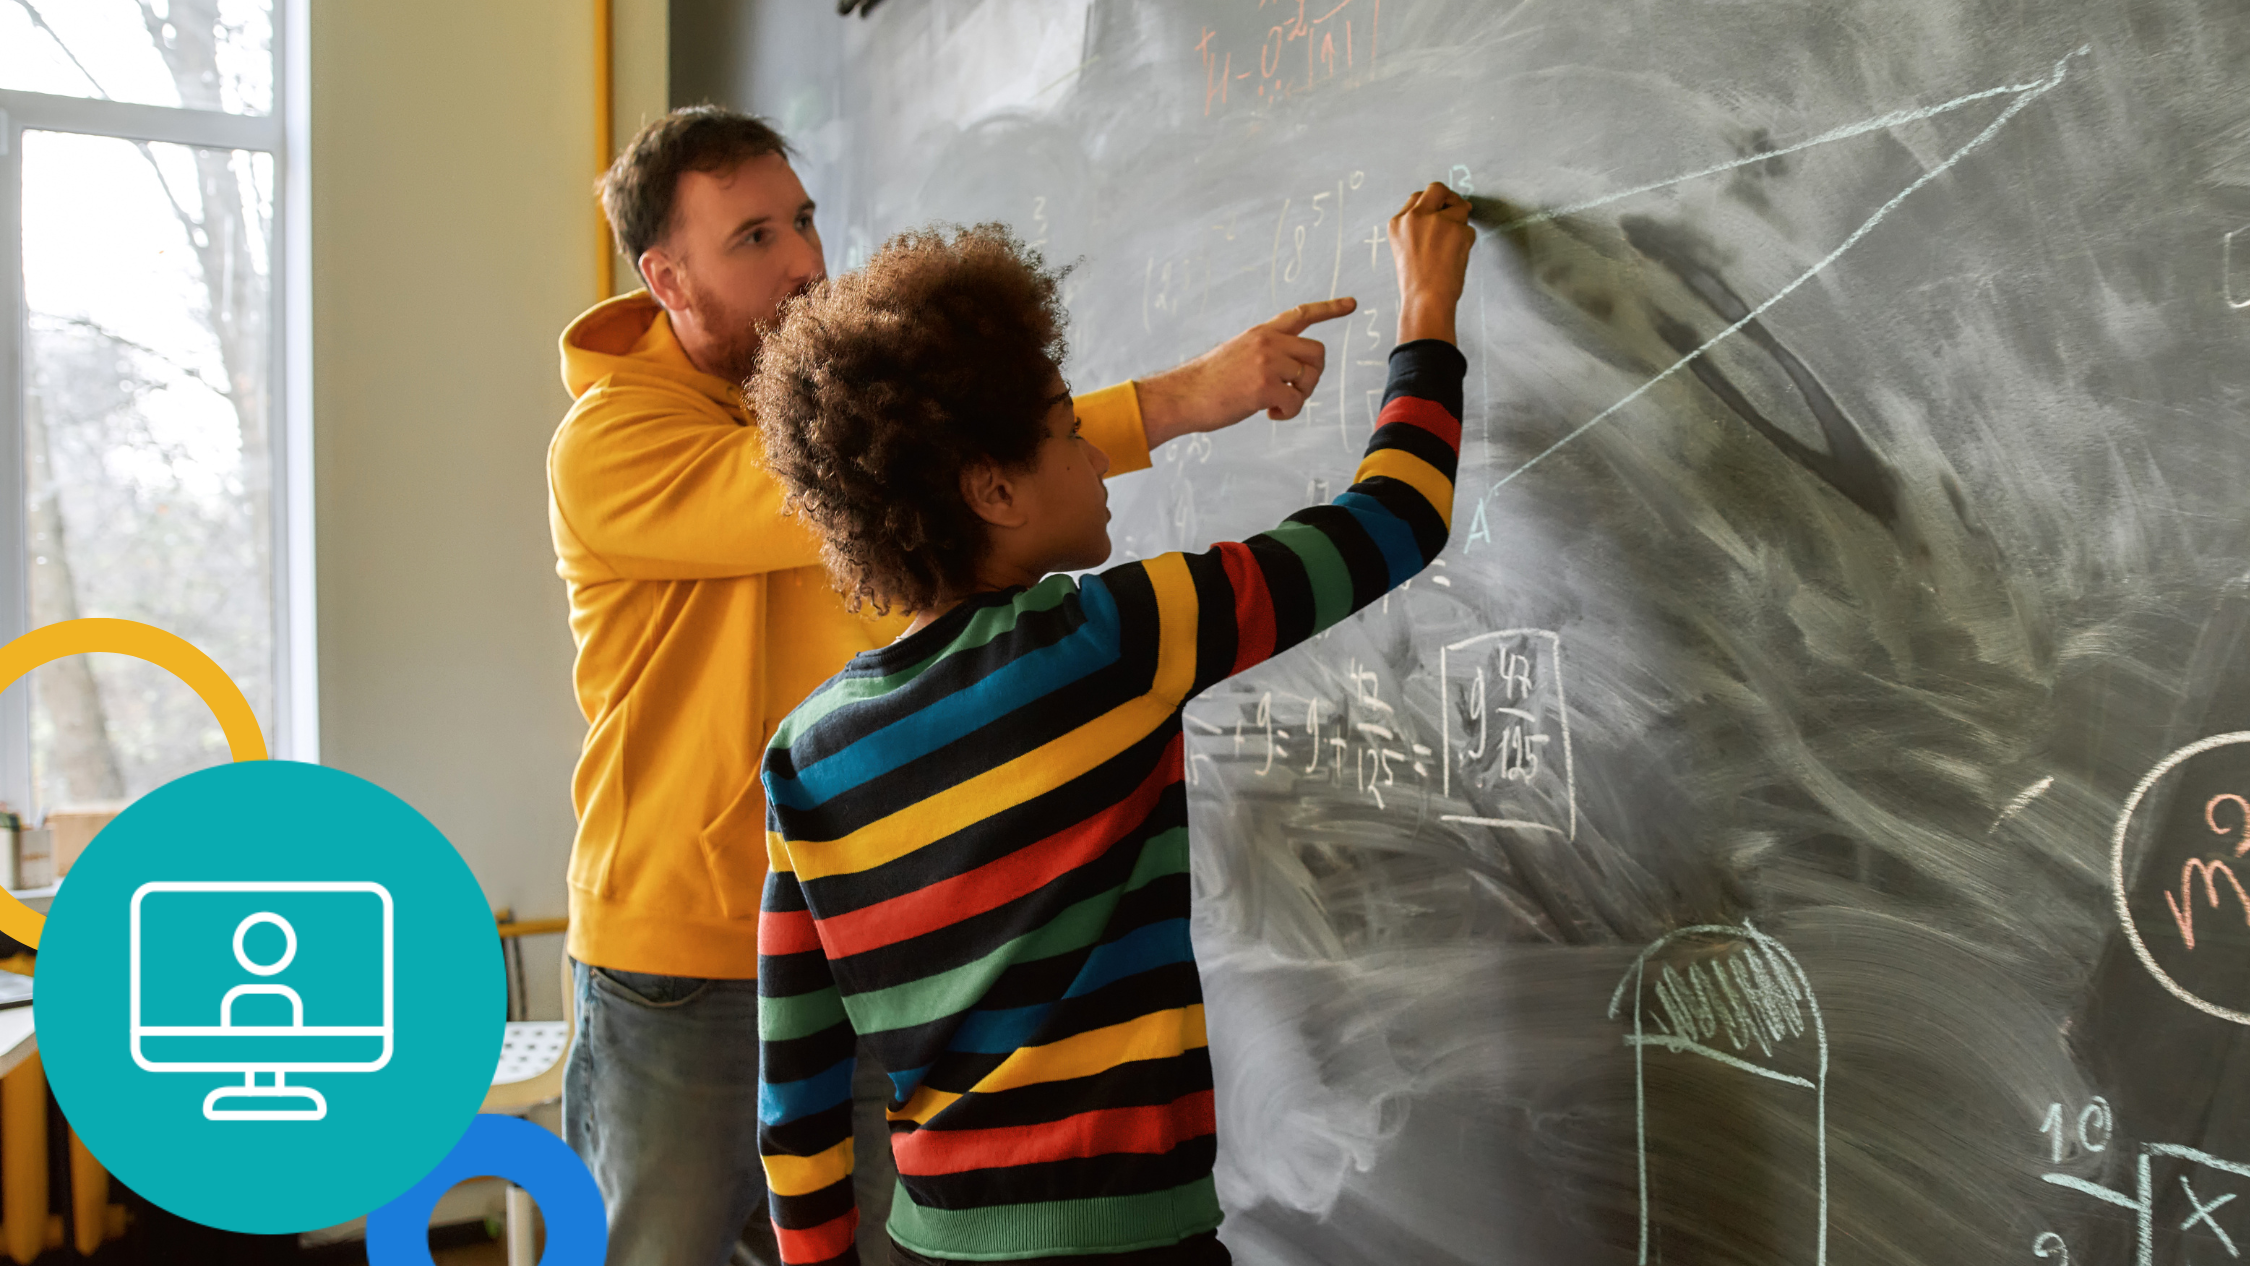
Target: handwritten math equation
{"points": [[1505, 731], [1358, 737], [1302, 44], [1315, 243], [1500, 740], [1310, 240]]}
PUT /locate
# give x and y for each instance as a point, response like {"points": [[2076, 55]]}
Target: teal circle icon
{"points": [[270, 996]]}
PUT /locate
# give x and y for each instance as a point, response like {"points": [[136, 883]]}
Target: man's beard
{"points": [[736, 337]]}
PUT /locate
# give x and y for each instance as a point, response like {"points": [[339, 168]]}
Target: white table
{"points": [[17, 1042]]}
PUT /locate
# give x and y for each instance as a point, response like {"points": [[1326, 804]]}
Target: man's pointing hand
{"points": [[1270, 366]]}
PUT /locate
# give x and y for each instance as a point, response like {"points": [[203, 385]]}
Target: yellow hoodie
{"points": [[702, 616]]}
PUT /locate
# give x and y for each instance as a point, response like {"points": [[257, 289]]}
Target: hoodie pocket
{"points": [[600, 788], [734, 852]]}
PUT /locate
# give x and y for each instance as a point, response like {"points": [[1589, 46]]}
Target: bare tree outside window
{"points": [[149, 494]]}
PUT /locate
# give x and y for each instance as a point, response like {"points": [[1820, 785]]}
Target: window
{"points": [[152, 387]]}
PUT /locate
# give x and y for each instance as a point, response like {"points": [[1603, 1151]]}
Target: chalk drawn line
{"points": [[1686, 1046], [2022, 801], [1895, 118], [2024, 95], [2094, 1189], [1769, 1010], [2202, 1213], [1517, 823], [2226, 269], [2143, 1201]]}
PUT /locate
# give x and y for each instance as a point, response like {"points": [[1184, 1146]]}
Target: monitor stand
{"points": [[265, 1103]]}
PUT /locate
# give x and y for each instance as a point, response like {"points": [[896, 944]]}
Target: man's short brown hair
{"points": [[881, 386], [639, 189]]}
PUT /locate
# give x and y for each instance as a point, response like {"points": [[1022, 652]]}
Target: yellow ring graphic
{"points": [[168, 651]]}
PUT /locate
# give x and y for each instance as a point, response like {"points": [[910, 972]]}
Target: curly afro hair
{"points": [[878, 388]]}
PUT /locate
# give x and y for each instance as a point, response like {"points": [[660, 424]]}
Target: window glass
{"points": [[200, 54], [147, 457]]}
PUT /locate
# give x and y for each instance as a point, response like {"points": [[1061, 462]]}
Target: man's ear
{"points": [[663, 278], [991, 494]]}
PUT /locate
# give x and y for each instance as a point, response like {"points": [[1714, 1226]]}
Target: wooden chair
{"points": [[532, 1056]]}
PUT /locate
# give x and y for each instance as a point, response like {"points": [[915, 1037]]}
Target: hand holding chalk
{"points": [[1430, 242]]}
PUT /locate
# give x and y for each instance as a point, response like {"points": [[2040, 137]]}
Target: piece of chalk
{"points": [[1492, 213]]}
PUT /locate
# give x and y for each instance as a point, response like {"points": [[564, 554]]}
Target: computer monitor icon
{"points": [[256, 977]]}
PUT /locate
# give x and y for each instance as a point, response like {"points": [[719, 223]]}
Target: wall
{"points": [[640, 78], [452, 151], [705, 40]]}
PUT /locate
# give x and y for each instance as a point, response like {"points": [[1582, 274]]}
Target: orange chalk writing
{"points": [[2183, 910], [1326, 55]]}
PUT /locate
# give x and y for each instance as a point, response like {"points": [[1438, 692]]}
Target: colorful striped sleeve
{"points": [[806, 1049], [1247, 601]]}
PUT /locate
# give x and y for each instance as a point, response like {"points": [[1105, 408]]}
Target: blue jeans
{"points": [[660, 1099]]}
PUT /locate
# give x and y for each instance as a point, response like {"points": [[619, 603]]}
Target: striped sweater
{"points": [[978, 838]]}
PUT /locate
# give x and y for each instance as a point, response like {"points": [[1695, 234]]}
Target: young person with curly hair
{"points": [[701, 617], [978, 834]]}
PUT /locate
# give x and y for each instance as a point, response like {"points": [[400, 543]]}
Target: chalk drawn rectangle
{"points": [[1535, 709]]}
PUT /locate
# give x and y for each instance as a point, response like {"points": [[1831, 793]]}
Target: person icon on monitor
{"points": [[263, 1107], [274, 968], [307, 988]]}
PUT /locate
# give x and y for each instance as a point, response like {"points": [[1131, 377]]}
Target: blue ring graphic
{"points": [[398, 1234]]}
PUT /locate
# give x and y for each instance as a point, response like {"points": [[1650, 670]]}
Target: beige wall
{"points": [[454, 235], [640, 78]]}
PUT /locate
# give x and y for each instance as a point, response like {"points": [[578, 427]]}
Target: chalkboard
{"points": [[1799, 819]]}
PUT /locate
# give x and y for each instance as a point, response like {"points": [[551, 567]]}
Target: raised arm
{"points": [[1254, 599], [1243, 602]]}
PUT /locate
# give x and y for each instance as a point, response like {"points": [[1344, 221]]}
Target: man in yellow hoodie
{"points": [[702, 616]]}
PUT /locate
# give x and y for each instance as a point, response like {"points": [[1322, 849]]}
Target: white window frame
{"points": [[285, 134]]}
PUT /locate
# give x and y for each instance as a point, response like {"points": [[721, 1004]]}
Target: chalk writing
{"points": [[1344, 36], [2142, 1199], [2095, 1120], [1312, 229], [2181, 909], [1360, 738], [1171, 286], [1747, 990], [2050, 1244], [1504, 728], [2241, 817], [1480, 530], [2201, 1212], [1263, 720]]}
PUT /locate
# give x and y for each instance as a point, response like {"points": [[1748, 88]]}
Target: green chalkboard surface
{"points": [[1802, 817]]}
